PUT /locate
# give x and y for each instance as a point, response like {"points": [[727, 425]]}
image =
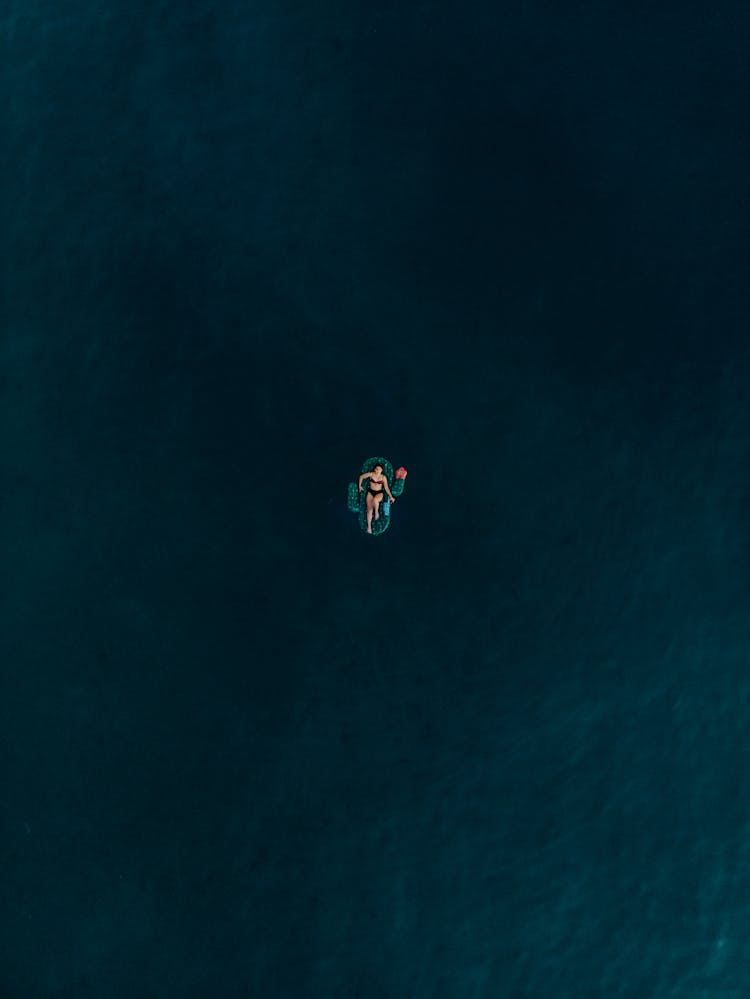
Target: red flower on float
{"points": [[401, 473]]}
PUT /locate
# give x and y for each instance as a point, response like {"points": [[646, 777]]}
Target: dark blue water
{"points": [[500, 751]]}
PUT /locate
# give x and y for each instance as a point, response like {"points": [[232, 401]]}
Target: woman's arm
{"points": [[388, 489], [364, 475]]}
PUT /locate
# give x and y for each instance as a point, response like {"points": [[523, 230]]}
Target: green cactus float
{"points": [[357, 501]]}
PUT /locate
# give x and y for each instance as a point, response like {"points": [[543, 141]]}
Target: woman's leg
{"points": [[369, 512], [377, 500]]}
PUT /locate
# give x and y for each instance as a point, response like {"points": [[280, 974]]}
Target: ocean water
{"points": [[500, 751]]}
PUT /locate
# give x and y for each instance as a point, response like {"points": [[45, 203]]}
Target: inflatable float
{"points": [[357, 502]]}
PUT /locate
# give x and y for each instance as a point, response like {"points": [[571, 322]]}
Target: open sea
{"points": [[501, 750]]}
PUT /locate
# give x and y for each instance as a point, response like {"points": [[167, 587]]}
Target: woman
{"points": [[377, 486]]}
